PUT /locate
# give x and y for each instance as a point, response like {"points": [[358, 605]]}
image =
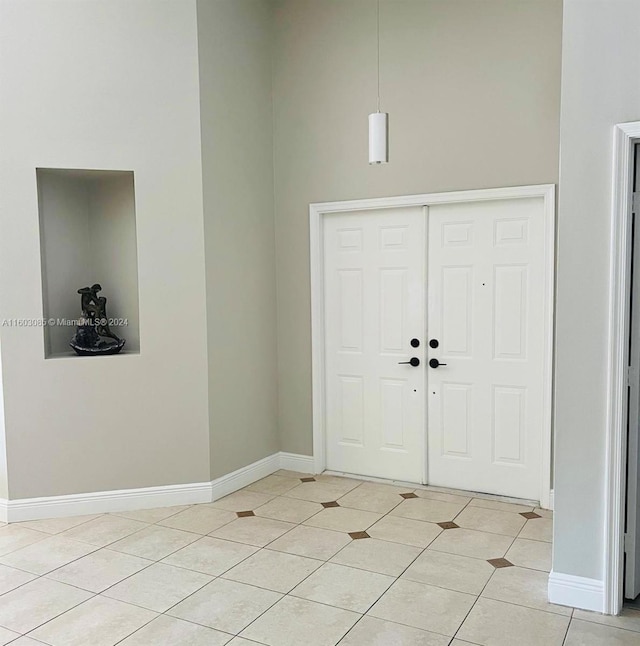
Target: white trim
{"points": [[576, 591], [295, 462], [105, 501], [149, 497], [316, 257], [551, 500], [431, 199], [548, 322], [424, 439], [619, 274], [319, 210], [243, 477]]}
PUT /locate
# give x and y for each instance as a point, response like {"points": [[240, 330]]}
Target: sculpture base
{"points": [[101, 348]]}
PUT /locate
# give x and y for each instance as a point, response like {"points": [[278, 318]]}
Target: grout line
{"points": [[44, 623], [23, 524], [120, 514], [600, 623], [520, 605], [45, 574], [37, 641], [137, 629], [294, 525], [323, 562], [566, 632], [151, 563], [396, 578], [481, 591]]}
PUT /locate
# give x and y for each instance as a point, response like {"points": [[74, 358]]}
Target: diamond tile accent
{"points": [[448, 525], [298, 535]]}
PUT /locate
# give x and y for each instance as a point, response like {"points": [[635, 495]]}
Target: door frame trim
{"points": [[625, 135], [317, 213]]}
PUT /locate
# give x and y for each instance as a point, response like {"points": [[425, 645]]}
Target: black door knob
{"points": [[415, 343], [434, 363], [434, 343], [414, 361]]}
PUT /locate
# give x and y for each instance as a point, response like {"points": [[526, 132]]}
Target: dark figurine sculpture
{"points": [[93, 325]]}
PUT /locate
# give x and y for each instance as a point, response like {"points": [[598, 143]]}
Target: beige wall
{"points": [[600, 68], [223, 108], [473, 91], [235, 40], [110, 85]]}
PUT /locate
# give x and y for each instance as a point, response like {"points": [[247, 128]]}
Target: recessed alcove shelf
{"points": [[87, 236]]}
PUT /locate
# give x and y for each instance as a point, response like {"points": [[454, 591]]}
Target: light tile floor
{"points": [[295, 560]]}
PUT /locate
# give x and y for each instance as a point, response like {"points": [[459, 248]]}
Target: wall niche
{"points": [[87, 236]]}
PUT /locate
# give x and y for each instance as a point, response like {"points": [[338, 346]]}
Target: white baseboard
{"points": [[576, 591], [295, 462], [102, 502], [13, 511], [224, 485]]}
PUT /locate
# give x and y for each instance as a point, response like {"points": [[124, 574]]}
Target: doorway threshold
{"points": [[459, 492]]}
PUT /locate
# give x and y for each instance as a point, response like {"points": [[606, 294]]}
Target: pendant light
{"points": [[378, 121]]}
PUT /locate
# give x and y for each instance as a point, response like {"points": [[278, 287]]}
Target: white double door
{"points": [[457, 284]]}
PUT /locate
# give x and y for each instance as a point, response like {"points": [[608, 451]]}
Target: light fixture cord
{"points": [[378, 35]]}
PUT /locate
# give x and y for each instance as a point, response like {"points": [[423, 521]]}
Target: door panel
{"points": [[374, 305], [393, 404], [456, 310], [350, 310], [508, 424], [510, 315], [392, 310], [351, 407], [456, 419], [486, 300]]}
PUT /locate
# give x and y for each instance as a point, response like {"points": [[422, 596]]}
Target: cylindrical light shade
{"points": [[378, 138]]}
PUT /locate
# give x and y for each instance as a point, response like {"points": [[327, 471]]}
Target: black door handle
{"points": [[434, 363], [414, 361]]}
